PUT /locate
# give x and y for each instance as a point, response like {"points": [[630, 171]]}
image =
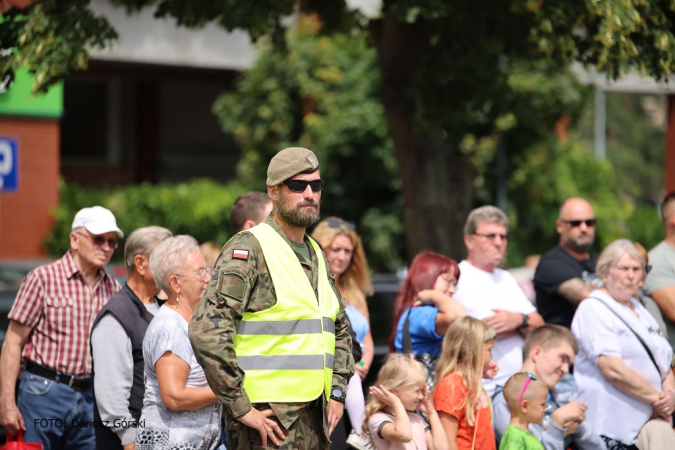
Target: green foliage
{"points": [[50, 39], [539, 94], [323, 94], [548, 175], [258, 18], [612, 35], [200, 208], [645, 226], [636, 128]]}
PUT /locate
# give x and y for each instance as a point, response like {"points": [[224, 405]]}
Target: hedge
{"points": [[200, 208]]}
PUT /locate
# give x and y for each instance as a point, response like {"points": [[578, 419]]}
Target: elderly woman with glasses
{"points": [[623, 370], [179, 409]]}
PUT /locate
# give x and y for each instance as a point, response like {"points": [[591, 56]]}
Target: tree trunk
{"points": [[438, 182]]}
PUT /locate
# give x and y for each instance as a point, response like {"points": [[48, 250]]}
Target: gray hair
{"points": [[613, 253], [490, 214], [142, 242], [168, 256]]}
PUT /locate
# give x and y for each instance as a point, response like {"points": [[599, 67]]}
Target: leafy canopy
{"points": [[52, 37]]}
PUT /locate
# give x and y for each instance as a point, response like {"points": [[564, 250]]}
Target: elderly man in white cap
{"points": [[48, 331]]}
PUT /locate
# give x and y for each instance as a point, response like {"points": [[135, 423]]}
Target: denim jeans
{"points": [[56, 415]]}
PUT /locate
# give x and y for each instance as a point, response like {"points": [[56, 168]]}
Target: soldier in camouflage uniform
{"points": [[242, 283]]}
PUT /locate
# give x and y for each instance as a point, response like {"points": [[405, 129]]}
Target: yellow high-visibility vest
{"points": [[287, 351]]}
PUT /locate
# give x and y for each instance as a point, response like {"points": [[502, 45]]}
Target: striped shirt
{"points": [[55, 301]]}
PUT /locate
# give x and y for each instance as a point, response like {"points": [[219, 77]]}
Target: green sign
{"points": [[18, 100]]}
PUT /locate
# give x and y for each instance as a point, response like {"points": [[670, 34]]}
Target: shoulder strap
{"points": [[644, 345], [407, 342]]}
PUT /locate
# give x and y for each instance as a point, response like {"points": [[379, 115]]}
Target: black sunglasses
{"points": [[301, 185], [99, 241], [336, 223], [577, 223]]}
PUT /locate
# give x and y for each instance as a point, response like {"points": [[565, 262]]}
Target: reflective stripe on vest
{"points": [[287, 351]]}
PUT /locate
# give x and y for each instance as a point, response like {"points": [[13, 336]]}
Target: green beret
{"points": [[289, 162]]}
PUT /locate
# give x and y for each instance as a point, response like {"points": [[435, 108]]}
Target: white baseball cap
{"points": [[97, 220]]}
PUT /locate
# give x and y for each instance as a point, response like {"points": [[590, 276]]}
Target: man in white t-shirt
{"points": [[492, 294]]}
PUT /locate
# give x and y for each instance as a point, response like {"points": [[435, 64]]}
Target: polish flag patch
{"points": [[240, 254]]}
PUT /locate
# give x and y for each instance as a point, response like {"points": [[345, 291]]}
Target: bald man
{"points": [[566, 274], [660, 283]]}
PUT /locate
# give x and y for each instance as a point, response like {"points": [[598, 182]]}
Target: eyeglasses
{"points": [[337, 223], [577, 223], [301, 185], [493, 236], [98, 241], [201, 273], [450, 281], [530, 376]]}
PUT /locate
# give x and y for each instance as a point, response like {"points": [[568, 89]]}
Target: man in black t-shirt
{"points": [[566, 274]]}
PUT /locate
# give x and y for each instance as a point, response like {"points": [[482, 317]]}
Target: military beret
{"points": [[288, 162]]}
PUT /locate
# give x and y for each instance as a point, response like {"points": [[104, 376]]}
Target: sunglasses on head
{"points": [[530, 376], [577, 223], [301, 185], [336, 223], [98, 241]]}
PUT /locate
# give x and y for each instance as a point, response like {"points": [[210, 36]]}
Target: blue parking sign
{"points": [[9, 164]]}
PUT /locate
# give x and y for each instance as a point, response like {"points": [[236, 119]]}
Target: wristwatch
{"points": [[337, 394], [526, 322]]}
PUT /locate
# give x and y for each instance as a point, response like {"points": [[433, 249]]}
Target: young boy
{"points": [[526, 397], [548, 353]]}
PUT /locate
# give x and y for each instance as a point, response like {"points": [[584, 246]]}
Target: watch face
{"points": [[337, 392]]}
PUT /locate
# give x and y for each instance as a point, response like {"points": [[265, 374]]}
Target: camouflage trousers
{"points": [[306, 433]]}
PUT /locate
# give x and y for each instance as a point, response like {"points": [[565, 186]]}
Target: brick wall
{"points": [[25, 215]]}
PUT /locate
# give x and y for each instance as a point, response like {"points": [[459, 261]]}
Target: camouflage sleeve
{"points": [[216, 320], [343, 363]]}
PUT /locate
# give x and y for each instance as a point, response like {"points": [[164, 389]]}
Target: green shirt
{"points": [[240, 283], [518, 439]]}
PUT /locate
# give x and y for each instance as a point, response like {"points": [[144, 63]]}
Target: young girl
{"points": [[462, 404], [391, 420]]}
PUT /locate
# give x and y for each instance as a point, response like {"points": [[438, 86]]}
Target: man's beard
{"points": [[579, 246], [296, 217]]}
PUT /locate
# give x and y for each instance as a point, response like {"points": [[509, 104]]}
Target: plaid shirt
{"points": [[55, 301]]}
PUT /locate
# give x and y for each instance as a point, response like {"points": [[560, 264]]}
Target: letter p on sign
{"points": [[9, 167]]}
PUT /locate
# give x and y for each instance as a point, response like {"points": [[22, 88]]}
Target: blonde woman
{"points": [[459, 397], [348, 264]]}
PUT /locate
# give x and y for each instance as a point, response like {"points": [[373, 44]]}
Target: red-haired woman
{"points": [[425, 306]]}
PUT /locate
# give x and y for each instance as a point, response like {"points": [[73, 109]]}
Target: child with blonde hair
{"points": [[391, 418], [463, 405], [526, 397]]}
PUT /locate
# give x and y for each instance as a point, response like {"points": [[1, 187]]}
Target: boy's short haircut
{"points": [[514, 387], [548, 337], [248, 206]]}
